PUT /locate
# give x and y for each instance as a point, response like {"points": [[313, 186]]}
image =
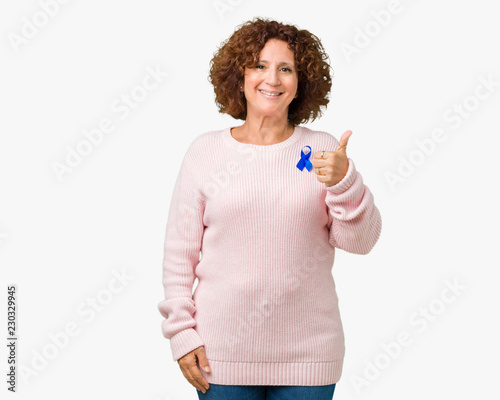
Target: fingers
{"points": [[191, 371], [344, 139], [202, 359]]}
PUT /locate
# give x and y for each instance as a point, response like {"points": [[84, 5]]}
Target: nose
{"points": [[273, 77]]}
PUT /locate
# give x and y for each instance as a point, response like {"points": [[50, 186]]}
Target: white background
{"points": [[62, 241]]}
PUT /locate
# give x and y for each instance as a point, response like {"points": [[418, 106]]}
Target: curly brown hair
{"points": [[242, 49]]}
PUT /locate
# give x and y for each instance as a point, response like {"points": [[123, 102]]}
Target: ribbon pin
{"points": [[304, 160]]}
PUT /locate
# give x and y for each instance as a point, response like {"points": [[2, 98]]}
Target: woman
{"points": [[266, 203]]}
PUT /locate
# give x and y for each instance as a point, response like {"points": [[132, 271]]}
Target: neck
{"points": [[265, 130]]}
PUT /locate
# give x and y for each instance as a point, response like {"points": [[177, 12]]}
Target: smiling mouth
{"points": [[270, 94]]}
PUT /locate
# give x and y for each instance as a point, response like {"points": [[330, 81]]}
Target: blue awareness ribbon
{"points": [[304, 160]]}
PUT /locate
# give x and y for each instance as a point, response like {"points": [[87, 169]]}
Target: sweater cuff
{"points": [[346, 181], [184, 342]]}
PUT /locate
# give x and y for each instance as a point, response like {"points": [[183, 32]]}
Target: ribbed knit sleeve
{"points": [[182, 246], [354, 220]]}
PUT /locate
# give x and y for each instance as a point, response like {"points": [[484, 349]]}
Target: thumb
{"points": [[344, 139], [202, 358]]}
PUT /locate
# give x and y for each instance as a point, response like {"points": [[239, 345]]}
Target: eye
{"points": [[258, 66]]}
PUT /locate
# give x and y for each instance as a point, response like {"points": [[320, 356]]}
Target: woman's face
{"points": [[275, 74]]}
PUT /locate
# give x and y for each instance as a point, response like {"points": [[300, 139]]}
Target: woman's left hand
{"points": [[334, 164]]}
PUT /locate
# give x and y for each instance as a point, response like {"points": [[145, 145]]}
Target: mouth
{"points": [[273, 94]]}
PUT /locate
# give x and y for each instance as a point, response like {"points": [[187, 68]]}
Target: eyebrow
{"points": [[281, 63]]}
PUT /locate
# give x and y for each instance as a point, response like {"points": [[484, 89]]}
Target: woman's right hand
{"points": [[191, 371]]}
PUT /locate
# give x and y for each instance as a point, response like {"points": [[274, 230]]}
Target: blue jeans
{"points": [[236, 392]]}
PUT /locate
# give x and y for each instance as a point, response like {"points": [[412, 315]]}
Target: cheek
{"points": [[251, 79], [292, 86], [292, 83]]}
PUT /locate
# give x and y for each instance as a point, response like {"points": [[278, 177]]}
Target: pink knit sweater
{"points": [[265, 306]]}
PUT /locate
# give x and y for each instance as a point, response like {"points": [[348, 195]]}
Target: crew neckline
{"points": [[293, 138]]}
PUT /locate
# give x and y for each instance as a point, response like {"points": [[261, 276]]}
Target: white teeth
{"points": [[269, 94]]}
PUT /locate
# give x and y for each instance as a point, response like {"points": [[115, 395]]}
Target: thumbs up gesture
{"points": [[332, 168]]}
